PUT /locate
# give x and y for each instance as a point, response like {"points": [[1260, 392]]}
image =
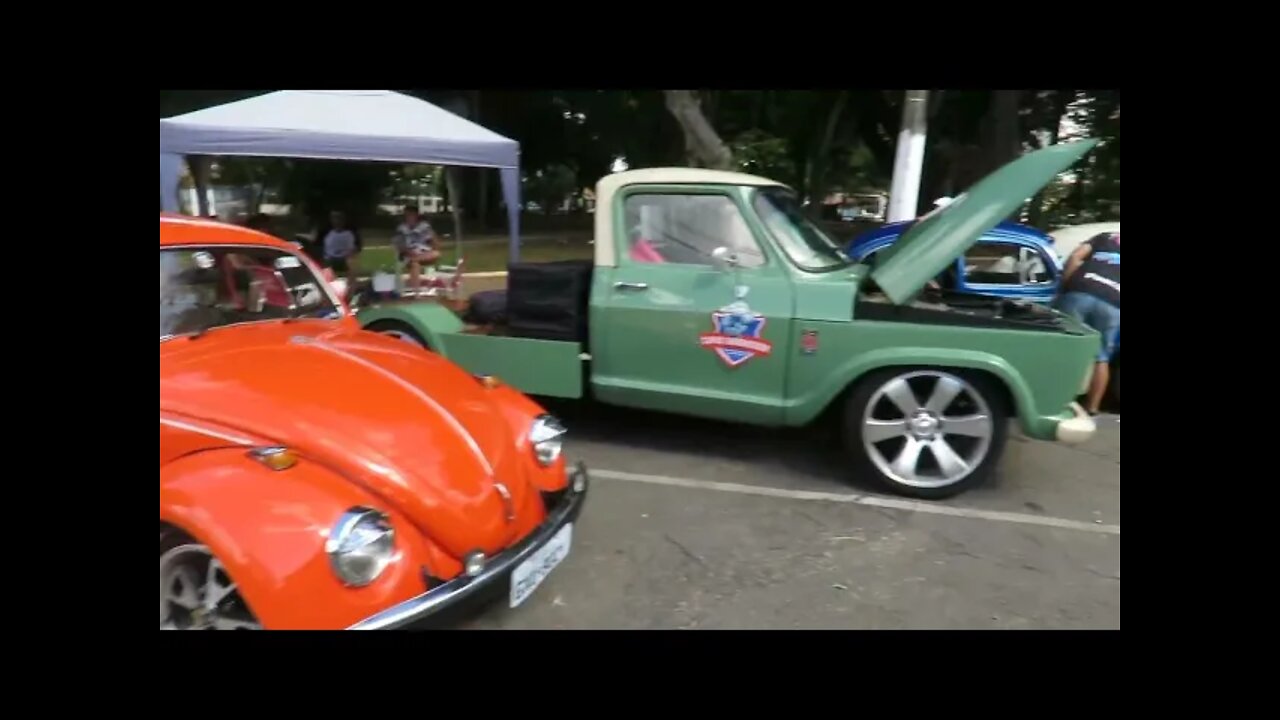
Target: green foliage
{"points": [[759, 153], [1092, 192], [550, 186], [414, 180], [320, 186], [817, 141]]}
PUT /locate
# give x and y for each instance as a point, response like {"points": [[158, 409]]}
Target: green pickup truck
{"points": [[712, 294]]}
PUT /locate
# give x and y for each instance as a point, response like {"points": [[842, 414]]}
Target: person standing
{"points": [[414, 242], [1091, 294]]}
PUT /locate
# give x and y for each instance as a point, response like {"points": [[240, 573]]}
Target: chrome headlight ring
{"points": [[360, 546], [547, 438]]}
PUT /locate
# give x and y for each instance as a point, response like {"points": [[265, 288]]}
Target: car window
{"points": [[211, 286], [946, 279], [1005, 264], [686, 229], [803, 240]]}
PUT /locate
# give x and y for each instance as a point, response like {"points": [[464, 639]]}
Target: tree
{"points": [[550, 186], [760, 153], [320, 186], [703, 147], [1042, 127]]}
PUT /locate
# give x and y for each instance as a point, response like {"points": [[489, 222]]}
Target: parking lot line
{"points": [[861, 499]]}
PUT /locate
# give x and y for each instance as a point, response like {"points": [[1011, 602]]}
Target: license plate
{"points": [[529, 574]]}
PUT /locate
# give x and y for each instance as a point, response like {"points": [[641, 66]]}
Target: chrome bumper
{"points": [[462, 588], [1078, 428]]}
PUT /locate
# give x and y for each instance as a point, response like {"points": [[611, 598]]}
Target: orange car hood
{"points": [[409, 426]]}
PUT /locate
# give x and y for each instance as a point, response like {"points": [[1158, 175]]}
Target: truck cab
{"points": [[712, 294]]}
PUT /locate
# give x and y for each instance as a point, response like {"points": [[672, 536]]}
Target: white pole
{"points": [[908, 162]]}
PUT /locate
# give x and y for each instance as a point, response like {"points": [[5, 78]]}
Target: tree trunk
{"points": [[820, 161], [878, 128], [1060, 101], [1078, 200], [703, 147], [935, 104], [1002, 141]]}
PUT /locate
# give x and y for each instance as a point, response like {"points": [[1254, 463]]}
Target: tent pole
{"points": [[451, 181], [199, 165], [511, 196]]}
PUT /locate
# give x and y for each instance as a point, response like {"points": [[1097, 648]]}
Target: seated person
{"points": [[643, 251], [341, 246], [414, 242]]}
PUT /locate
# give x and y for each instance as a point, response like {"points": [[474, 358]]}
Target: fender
{"points": [[268, 528], [519, 412], [429, 319], [809, 406]]}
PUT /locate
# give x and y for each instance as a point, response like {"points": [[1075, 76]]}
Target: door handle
{"points": [[630, 286]]}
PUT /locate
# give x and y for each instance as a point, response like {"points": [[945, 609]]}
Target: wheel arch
{"points": [[1014, 392], [429, 320], [268, 528]]}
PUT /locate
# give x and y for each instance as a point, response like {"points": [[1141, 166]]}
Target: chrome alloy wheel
{"points": [[929, 444], [196, 593]]}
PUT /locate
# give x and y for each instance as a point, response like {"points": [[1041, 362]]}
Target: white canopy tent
{"points": [[340, 125]]}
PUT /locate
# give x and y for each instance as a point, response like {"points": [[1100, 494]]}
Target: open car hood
{"points": [[941, 236]]}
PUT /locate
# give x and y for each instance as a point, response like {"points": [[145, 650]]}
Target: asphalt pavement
{"points": [[699, 524]]}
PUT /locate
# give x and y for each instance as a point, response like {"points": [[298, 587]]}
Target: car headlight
{"points": [[547, 437], [360, 546]]}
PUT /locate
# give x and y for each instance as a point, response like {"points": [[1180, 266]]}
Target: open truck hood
{"points": [[941, 236]]}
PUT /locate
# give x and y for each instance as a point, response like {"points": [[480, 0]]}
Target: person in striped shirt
{"points": [[415, 243]]}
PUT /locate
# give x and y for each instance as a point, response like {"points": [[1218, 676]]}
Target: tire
{"points": [[904, 443], [190, 577], [400, 331]]}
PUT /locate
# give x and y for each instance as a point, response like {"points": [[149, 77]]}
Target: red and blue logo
{"points": [[737, 336]]}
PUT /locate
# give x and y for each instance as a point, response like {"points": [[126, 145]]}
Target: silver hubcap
{"points": [[397, 334], [196, 593], [927, 444]]}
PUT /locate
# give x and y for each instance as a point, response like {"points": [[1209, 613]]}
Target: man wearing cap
{"points": [[1091, 294]]}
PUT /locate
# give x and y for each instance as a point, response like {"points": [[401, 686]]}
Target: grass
{"points": [[483, 256]]}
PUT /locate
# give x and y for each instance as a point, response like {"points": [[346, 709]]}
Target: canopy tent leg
{"points": [[511, 196], [455, 200], [170, 179], [199, 165]]}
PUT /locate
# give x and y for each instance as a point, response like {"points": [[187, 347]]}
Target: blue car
{"points": [[1011, 261]]}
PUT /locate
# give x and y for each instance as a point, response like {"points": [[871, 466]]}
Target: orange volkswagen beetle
{"points": [[313, 475]]}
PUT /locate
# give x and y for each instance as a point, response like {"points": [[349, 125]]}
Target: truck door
{"points": [[678, 331]]}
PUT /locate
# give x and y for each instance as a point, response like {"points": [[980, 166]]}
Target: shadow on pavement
{"points": [[814, 451]]}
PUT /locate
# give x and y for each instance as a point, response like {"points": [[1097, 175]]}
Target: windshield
{"points": [[799, 237], [202, 288]]}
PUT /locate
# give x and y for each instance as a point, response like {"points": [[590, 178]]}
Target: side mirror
{"points": [[724, 258]]}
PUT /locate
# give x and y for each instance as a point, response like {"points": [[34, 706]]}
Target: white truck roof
{"points": [[608, 186]]}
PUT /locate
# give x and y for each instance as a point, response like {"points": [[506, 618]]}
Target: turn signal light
{"points": [[276, 458], [488, 382]]}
